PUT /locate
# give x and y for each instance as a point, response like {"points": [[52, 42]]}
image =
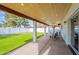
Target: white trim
{"points": [[74, 14]]}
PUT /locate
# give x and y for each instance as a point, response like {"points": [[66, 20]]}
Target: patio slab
{"points": [[56, 47], [31, 48], [43, 47]]}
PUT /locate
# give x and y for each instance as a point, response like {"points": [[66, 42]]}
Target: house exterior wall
{"points": [[66, 27]]}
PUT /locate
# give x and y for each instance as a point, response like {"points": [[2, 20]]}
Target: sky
{"points": [[2, 17], [31, 22]]}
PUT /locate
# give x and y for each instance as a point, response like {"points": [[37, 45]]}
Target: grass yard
{"points": [[11, 42]]}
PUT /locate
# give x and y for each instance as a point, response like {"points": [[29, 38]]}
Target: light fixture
{"points": [[22, 4], [65, 21]]}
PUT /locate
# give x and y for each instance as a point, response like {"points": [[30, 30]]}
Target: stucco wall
{"points": [[66, 27]]}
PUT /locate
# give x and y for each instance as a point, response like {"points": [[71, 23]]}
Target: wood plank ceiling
{"points": [[49, 13]]}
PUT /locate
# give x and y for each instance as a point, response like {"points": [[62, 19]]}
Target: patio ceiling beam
{"points": [[19, 14]]}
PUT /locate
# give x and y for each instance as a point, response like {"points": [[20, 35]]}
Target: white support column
{"points": [[53, 31], [45, 32], [34, 31], [49, 31]]}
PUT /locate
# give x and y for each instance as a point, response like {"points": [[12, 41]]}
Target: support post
{"points": [[49, 31], [45, 32], [34, 31], [53, 31]]}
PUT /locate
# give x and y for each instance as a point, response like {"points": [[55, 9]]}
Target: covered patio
{"points": [[51, 16]]}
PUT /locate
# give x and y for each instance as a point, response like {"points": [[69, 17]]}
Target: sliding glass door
{"points": [[75, 32]]}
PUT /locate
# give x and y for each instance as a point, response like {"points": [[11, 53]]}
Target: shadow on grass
{"points": [[31, 39], [39, 36]]}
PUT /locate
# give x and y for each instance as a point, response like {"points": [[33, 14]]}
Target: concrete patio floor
{"points": [[56, 47], [43, 47], [31, 48]]}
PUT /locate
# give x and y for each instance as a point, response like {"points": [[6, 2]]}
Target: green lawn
{"points": [[11, 42]]}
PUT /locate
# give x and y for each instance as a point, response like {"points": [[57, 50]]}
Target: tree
{"points": [[13, 20], [25, 23], [10, 19]]}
